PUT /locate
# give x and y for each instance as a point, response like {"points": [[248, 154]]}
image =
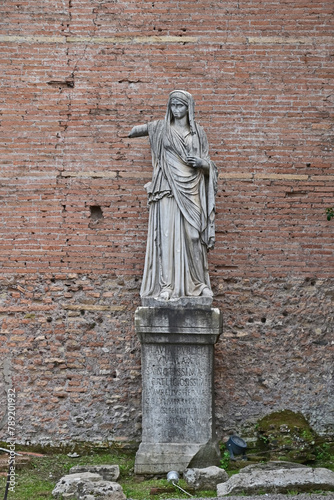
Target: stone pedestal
{"points": [[177, 380]]}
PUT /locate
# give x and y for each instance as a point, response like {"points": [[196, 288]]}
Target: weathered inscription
{"points": [[177, 392], [166, 371]]}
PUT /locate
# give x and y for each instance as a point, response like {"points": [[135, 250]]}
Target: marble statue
{"points": [[181, 198]]}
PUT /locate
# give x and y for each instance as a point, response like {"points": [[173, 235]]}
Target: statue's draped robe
{"points": [[182, 211]]}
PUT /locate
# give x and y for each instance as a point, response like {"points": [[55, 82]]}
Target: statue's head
{"points": [[178, 108], [184, 98]]}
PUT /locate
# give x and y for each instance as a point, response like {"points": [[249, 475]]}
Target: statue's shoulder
{"points": [[201, 133], [157, 123], [199, 128], [156, 126]]}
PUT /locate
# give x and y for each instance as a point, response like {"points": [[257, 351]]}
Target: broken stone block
{"points": [[101, 489], [108, 472], [67, 486], [271, 479], [87, 486], [205, 479]]}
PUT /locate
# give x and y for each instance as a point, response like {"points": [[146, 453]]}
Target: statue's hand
{"points": [[197, 162]]}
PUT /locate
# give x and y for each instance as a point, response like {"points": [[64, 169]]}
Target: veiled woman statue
{"points": [[181, 197]]}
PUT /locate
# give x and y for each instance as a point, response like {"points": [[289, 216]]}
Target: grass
{"points": [[38, 481], [142, 490]]}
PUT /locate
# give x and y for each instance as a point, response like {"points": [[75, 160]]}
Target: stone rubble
{"points": [[108, 472], [88, 485], [205, 479], [276, 478]]}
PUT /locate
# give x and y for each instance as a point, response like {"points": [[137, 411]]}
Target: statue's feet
{"points": [[206, 292], [164, 295]]}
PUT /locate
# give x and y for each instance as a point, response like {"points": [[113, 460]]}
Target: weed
{"points": [[225, 460], [323, 452]]}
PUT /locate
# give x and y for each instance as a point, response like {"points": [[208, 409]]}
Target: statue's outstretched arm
{"points": [[139, 131]]}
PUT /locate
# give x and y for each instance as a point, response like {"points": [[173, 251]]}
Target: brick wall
{"points": [[76, 76]]}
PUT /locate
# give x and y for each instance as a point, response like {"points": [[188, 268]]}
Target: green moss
{"points": [[287, 435], [286, 418]]}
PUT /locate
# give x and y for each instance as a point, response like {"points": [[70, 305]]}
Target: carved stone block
{"points": [[177, 379]]}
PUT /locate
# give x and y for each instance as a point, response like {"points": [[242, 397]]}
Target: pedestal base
{"points": [[164, 457], [177, 379]]}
